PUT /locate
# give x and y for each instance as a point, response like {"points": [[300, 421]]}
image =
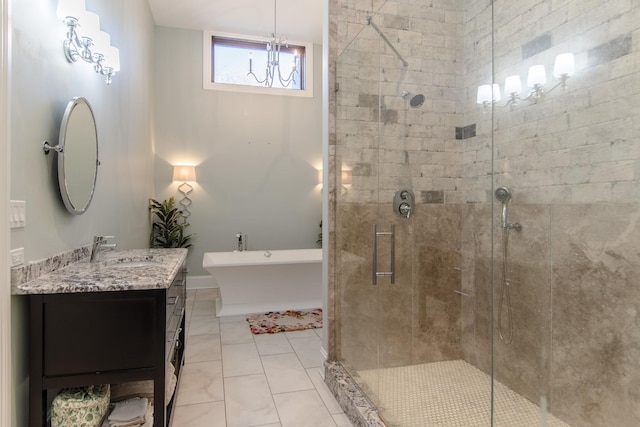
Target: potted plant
{"points": [[319, 239], [168, 224]]}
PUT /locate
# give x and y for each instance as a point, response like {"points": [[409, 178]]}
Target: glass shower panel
{"points": [[516, 298], [357, 143], [569, 156], [399, 128]]}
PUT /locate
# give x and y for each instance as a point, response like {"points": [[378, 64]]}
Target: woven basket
{"points": [[80, 407]]}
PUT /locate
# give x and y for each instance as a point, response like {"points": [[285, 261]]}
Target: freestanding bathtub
{"points": [[262, 281]]}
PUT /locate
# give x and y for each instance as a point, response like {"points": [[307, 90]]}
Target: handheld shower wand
{"points": [[503, 194]]}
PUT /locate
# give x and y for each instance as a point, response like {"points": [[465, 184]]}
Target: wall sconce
{"points": [[185, 174], [564, 68], [86, 41]]}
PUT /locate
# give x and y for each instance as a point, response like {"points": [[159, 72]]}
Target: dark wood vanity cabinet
{"points": [[112, 337]]}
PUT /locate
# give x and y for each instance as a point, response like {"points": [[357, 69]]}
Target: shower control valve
{"points": [[403, 202], [514, 226], [404, 209]]}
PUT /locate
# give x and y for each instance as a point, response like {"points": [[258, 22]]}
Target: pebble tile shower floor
{"points": [[450, 394]]}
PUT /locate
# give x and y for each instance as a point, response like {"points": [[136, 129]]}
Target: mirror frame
{"points": [[63, 140]]}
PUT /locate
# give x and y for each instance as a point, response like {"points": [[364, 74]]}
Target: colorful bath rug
{"points": [[285, 321]]}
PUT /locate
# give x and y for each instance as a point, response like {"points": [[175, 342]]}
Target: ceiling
{"points": [[299, 20]]}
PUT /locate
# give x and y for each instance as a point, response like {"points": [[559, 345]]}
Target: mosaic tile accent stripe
{"points": [[611, 50], [535, 46], [465, 132]]}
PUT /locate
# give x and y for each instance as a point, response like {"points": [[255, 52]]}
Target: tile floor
{"points": [[450, 394], [232, 378]]}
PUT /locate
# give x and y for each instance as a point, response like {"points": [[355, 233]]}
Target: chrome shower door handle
{"points": [[374, 269], [374, 261], [393, 254]]}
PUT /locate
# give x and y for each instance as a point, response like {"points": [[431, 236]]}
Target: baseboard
{"points": [[201, 282], [324, 354]]}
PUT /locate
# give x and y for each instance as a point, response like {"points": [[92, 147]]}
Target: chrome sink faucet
{"points": [[239, 239], [99, 242]]}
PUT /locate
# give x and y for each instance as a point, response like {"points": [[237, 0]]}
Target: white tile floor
{"points": [[232, 378]]}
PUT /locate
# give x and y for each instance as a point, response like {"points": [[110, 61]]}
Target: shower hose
{"points": [[505, 295]]}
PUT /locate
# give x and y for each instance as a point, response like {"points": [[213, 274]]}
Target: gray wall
{"points": [[257, 156], [42, 84]]}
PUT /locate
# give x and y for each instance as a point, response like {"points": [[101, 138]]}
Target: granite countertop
{"points": [[156, 269]]}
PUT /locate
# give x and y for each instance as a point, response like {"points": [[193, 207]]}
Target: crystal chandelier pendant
{"points": [[273, 48]]}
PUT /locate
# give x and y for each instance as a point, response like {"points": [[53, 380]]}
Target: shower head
{"points": [[503, 194], [417, 100]]}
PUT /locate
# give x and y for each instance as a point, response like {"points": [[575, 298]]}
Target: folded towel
{"points": [[129, 411], [149, 417], [170, 385], [128, 390], [147, 422], [134, 423]]}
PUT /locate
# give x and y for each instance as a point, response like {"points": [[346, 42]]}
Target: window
{"points": [[237, 63]]}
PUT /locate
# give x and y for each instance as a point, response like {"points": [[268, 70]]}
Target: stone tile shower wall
{"points": [[573, 164], [387, 145]]}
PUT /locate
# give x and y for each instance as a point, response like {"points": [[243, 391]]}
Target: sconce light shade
{"points": [[101, 41], [347, 177], [537, 76], [496, 93], [70, 8], [90, 25], [513, 85], [184, 173], [112, 59], [488, 94], [564, 65], [484, 94]]}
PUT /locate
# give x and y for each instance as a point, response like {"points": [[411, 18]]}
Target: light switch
{"points": [[18, 213], [17, 257]]}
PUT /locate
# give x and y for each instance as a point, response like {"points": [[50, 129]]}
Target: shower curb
{"points": [[355, 404]]}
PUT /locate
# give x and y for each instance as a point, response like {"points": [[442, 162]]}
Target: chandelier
{"points": [[273, 47]]}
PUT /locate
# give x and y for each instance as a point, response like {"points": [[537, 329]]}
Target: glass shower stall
{"points": [[484, 210]]}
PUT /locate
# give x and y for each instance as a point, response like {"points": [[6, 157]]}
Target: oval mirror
{"points": [[78, 156]]}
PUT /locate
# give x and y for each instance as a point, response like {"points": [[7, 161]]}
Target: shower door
{"points": [[375, 315], [395, 133]]}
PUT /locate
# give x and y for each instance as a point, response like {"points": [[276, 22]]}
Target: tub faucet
{"points": [[240, 245], [99, 242]]}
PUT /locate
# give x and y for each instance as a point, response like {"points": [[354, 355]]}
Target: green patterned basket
{"points": [[80, 407]]}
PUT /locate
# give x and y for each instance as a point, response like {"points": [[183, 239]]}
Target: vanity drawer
{"points": [[176, 302], [89, 333], [174, 325]]}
